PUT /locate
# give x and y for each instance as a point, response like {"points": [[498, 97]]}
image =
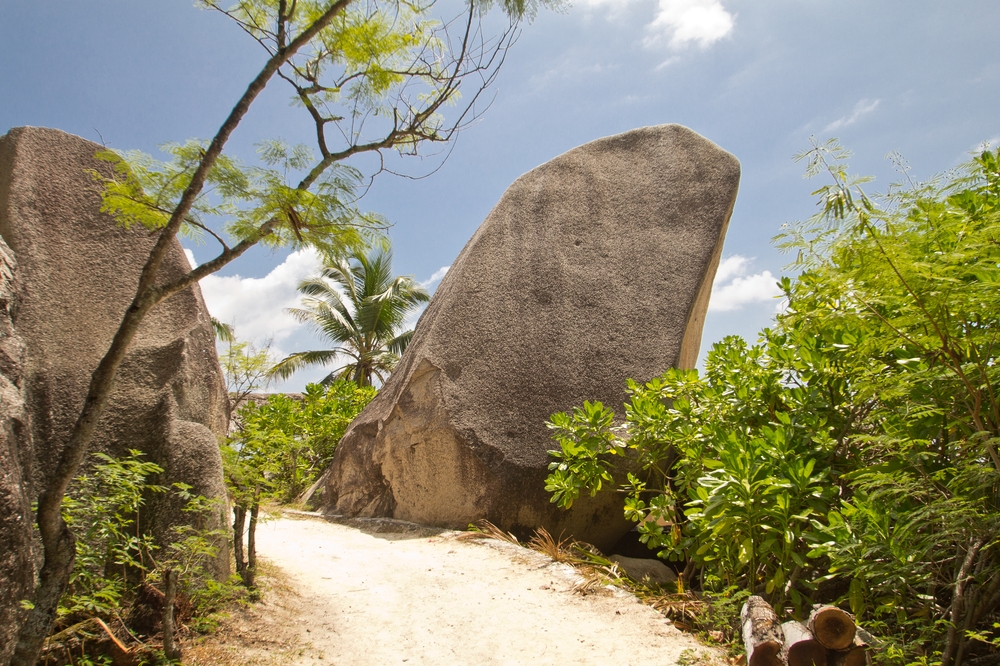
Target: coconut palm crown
{"points": [[358, 304]]}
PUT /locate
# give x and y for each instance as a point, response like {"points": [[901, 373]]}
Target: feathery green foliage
{"points": [[360, 305]]}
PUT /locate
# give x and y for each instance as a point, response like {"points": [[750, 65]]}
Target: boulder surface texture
{"points": [[593, 268], [17, 574], [77, 272]]}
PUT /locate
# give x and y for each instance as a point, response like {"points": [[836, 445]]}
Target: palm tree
{"points": [[359, 305]]}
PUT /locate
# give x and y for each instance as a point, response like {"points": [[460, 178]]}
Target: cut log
{"points": [[832, 627], [857, 654], [762, 635], [801, 649]]}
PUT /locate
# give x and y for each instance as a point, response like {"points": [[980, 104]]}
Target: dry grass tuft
{"points": [[558, 549], [484, 529], [682, 607]]}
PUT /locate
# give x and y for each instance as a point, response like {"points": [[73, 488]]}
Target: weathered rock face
{"points": [[76, 275], [593, 268], [17, 573]]}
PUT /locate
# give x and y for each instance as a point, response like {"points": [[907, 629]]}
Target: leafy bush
{"points": [[851, 455], [284, 443], [103, 510], [733, 476], [117, 556]]}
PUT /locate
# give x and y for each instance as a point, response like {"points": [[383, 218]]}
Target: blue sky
{"points": [[756, 77]]}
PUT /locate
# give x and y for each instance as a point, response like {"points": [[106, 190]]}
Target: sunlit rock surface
{"points": [[593, 268]]}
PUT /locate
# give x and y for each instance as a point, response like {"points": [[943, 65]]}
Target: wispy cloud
{"points": [[435, 278], [989, 144], [611, 7], [684, 23], [861, 109], [733, 288], [569, 69], [666, 63]]}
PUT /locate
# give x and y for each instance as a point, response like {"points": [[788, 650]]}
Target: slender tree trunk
{"points": [[171, 650], [239, 520], [252, 541], [955, 639], [58, 543], [53, 580]]}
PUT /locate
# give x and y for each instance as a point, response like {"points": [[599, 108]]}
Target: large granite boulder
{"points": [[76, 274], [593, 268], [17, 574]]}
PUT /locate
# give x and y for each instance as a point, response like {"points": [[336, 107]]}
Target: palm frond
{"points": [[357, 303], [287, 366]]}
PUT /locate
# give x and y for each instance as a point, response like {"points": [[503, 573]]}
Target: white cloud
{"points": [[690, 22], [680, 23], [434, 279], [190, 257], [861, 109], [256, 305], [733, 288], [731, 267]]}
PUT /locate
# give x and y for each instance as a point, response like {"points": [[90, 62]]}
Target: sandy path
{"points": [[424, 598]]}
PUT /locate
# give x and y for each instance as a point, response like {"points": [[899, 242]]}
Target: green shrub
{"points": [[115, 554], [851, 455]]}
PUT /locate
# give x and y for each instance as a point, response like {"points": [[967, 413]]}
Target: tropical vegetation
{"points": [[850, 456], [119, 561], [359, 305]]}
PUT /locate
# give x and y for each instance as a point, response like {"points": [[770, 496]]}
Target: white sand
{"points": [[390, 598]]}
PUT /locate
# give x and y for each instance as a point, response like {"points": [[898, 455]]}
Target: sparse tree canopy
{"points": [[373, 76]]}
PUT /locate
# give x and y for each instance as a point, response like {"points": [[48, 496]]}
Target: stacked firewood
{"points": [[828, 638]]}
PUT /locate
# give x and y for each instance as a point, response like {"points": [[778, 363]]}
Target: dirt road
{"points": [[396, 594]]}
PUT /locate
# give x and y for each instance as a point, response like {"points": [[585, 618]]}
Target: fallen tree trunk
{"points": [[832, 627], [801, 648], [762, 635]]}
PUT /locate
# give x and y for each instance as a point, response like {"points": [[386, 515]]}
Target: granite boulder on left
{"points": [[76, 274]]}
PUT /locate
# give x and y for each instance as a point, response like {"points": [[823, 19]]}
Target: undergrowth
{"points": [[113, 606]]}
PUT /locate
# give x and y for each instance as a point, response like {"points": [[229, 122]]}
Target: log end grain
{"points": [[832, 627]]}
